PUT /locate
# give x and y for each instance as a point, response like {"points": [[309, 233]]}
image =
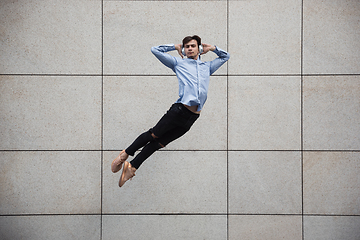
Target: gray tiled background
{"points": [[275, 154]]}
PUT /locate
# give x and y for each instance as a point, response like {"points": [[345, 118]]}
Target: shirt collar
{"points": [[198, 59]]}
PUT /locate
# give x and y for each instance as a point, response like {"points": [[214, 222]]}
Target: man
{"points": [[193, 76]]}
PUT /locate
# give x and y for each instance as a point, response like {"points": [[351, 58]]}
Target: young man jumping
{"points": [[193, 76]]}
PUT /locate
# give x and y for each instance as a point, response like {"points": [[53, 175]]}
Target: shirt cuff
{"points": [[219, 51], [171, 47]]}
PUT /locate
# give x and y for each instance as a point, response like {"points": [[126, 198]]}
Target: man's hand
{"points": [[207, 48], [178, 48]]}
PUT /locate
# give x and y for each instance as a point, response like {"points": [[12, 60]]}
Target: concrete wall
{"points": [[275, 154]]}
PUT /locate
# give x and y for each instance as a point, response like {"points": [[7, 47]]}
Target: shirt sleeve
{"points": [[166, 59], [215, 64]]}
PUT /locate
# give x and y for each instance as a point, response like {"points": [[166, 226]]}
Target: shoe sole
{"points": [[122, 182]]}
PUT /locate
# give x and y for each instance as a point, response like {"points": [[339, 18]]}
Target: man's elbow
{"points": [[227, 56], [154, 50]]}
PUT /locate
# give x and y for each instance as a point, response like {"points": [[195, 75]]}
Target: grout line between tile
{"points": [[172, 75], [102, 120], [302, 115], [174, 150], [178, 214], [227, 122]]}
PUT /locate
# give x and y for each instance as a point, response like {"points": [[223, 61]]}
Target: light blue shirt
{"points": [[193, 75]]}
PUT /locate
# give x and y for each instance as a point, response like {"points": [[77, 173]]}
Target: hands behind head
{"points": [[178, 48], [206, 49]]}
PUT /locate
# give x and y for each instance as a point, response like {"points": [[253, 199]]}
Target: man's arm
{"points": [[166, 59], [223, 56]]}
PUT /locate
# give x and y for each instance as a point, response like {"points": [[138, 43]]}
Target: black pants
{"points": [[175, 123]]}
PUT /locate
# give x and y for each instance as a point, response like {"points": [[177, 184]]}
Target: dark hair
{"points": [[189, 38]]}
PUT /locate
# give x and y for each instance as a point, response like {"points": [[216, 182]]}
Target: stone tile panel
{"points": [[332, 227], [50, 182], [264, 113], [331, 116], [50, 37], [50, 113], [265, 227], [159, 227], [133, 105], [131, 28], [332, 183], [331, 37], [264, 37], [264, 182], [50, 227], [169, 182]]}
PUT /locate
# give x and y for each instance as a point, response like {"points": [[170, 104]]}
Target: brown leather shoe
{"points": [[127, 173], [117, 163]]}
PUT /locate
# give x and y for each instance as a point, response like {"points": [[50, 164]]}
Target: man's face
{"points": [[191, 49]]}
